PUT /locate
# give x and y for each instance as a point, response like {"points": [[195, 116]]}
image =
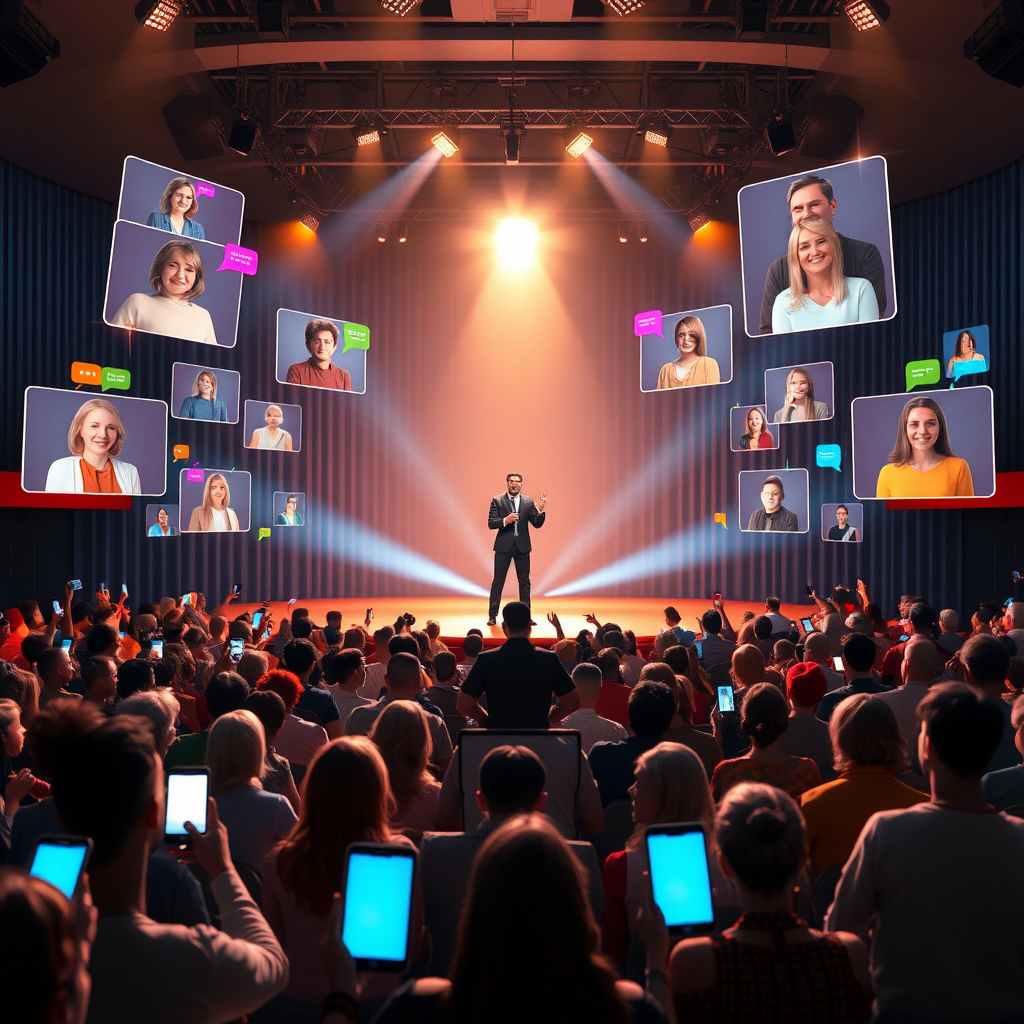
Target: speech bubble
{"points": [[113, 377], [194, 476], [922, 371], [967, 368], [356, 336], [181, 451], [204, 189], [720, 518], [648, 323], [263, 531], [245, 261], [86, 373], [830, 456]]}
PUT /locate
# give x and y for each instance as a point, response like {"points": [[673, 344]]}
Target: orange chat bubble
{"points": [[720, 518], [181, 451], [86, 373]]}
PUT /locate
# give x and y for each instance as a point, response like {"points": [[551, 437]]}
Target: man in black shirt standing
{"points": [[512, 514]]}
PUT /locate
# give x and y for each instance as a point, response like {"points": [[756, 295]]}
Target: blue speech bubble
{"points": [[964, 369], [829, 456]]}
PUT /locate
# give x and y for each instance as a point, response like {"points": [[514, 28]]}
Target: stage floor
{"points": [[457, 615]]}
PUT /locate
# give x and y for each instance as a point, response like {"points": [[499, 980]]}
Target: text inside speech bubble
{"points": [[120, 380], [830, 456], [194, 476], [86, 373], [262, 532], [245, 261], [922, 371], [205, 189], [356, 336], [181, 451], [965, 369], [720, 518], [648, 323]]}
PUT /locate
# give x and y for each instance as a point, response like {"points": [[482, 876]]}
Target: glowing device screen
{"points": [[59, 865], [377, 901], [679, 875]]}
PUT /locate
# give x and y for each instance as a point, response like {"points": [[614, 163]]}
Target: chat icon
{"points": [[181, 451], [194, 476], [245, 261], [355, 336], [85, 373], [205, 189], [115, 378], [263, 531], [964, 369], [648, 323], [720, 518], [830, 456], [923, 371]]}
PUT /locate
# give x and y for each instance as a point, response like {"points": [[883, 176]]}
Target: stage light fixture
{"points": [[577, 141], [516, 239], [242, 135], [446, 141], [698, 219], [402, 231], [26, 44], [643, 231], [365, 134], [621, 7], [623, 233], [658, 133], [511, 139], [158, 14], [398, 7], [866, 14], [310, 221], [381, 231]]}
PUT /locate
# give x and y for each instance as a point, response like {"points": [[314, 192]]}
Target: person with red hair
{"points": [[298, 739]]}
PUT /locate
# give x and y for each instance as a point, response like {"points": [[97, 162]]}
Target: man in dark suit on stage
{"points": [[519, 680], [511, 514]]}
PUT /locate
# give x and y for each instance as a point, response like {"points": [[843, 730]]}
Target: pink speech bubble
{"points": [[194, 476], [202, 189], [648, 323], [245, 261]]}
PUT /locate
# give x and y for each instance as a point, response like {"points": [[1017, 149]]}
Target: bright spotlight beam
{"points": [[516, 240]]}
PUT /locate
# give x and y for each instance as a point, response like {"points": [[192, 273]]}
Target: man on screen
{"points": [[774, 517], [318, 371], [512, 514], [812, 198]]}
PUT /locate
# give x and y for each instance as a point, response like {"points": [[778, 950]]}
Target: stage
{"points": [[458, 615]]}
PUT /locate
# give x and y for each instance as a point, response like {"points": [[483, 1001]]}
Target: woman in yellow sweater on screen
{"points": [[922, 465]]}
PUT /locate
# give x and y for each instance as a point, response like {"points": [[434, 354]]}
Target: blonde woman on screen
{"points": [[95, 437], [214, 515], [694, 366], [800, 404]]}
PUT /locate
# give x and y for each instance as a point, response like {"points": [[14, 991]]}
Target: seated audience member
{"points": [[518, 679], [806, 735], [99, 680], [15, 783], [1014, 679], [765, 719], [746, 671], [402, 679], [160, 708], [346, 798], [55, 670], [869, 754], [298, 740], [444, 694], [45, 943], [108, 785], [783, 655], [252, 666], [374, 682], [949, 640], [1004, 787], [818, 651], [651, 707], [674, 629], [255, 819], [471, 648], [781, 626], [524, 868], [402, 736], [512, 781], [433, 631], [681, 729], [942, 934], [348, 667], [225, 692], [985, 662], [770, 965], [1013, 625], [587, 678], [300, 657], [268, 707], [716, 647], [135, 676], [182, 670], [632, 663], [920, 629], [858, 657], [917, 673], [670, 785]]}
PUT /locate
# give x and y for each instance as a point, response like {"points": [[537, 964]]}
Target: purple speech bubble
{"points": [[245, 261], [194, 476], [648, 323], [202, 189]]}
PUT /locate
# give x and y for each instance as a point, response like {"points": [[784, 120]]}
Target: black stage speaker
{"points": [[782, 136], [833, 127], [998, 46], [190, 120], [26, 45], [242, 136]]}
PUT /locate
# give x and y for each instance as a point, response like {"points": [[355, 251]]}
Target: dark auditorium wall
{"points": [[473, 374]]}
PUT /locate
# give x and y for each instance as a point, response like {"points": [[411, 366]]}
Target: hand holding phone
{"points": [[726, 702], [378, 905], [57, 610], [187, 793], [157, 647], [257, 618], [679, 877], [236, 590], [237, 649], [716, 599], [76, 584], [810, 590], [61, 861]]}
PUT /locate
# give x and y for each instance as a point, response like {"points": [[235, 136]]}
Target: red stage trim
{"points": [[1009, 494], [13, 496]]}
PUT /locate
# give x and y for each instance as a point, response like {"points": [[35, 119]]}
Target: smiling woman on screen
{"points": [[178, 276], [800, 403], [694, 366], [96, 435], [922, 464], [178, 208], [214, 515]]}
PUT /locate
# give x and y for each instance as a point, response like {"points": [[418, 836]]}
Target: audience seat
{"points": [[618, 827]]}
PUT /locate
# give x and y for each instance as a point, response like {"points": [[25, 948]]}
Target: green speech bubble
{"points": [[923, 371], [112, 377], [264, 531], [356, 336]]}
